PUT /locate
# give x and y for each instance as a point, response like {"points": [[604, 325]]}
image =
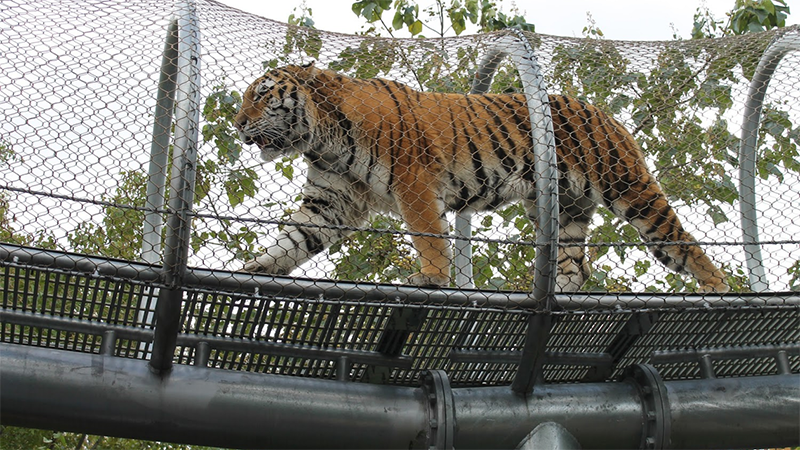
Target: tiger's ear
{"points": [[307, 73]]}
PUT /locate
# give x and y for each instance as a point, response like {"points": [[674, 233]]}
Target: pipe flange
{"points": [[441, 409], [656, 423]]}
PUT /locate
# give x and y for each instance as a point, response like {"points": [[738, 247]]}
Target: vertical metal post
{"points": [[182, 178], [462, 249], [747, 156], [157, 172], [159, 148]]}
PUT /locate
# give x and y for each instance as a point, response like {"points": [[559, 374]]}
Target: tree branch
{"points": [[651, 113]]}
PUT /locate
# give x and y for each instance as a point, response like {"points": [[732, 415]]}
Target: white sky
{"points": [[638, 20]]}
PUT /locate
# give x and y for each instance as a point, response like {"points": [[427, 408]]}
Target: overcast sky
{"points": [[618, 19]]}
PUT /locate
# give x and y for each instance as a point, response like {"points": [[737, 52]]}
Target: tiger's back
{"points": [[418, 154]]}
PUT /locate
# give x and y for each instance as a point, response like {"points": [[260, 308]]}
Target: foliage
{"points": [[375, 256], [120, 235], [439, 17], [29, 438], [224, 171], [746, 16], [40, 238], [758, 15]]}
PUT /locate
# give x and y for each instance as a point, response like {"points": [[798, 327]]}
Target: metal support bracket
{"points": [[401, 324], [441, 409], [656, 418], [549, 436]]}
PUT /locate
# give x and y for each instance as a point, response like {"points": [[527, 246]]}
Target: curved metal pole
{"points": [[157, 171], [516, 46], [182, 178], [462, 247], [747, 155]]}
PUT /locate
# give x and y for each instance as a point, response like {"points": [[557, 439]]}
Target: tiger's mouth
{"points": [[263, 141]]}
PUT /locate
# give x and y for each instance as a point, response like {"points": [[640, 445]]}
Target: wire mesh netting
{"points": [[331, 157]]}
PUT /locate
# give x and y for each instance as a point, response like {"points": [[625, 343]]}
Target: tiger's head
{"points": [[273, 113]]}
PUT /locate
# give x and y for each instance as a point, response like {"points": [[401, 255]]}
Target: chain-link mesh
{"points": [[361, 178]]}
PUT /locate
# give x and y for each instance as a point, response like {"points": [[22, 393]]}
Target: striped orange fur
{"points": [[379, 146]]}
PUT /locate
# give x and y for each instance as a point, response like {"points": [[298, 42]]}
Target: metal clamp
{"points": [[656, 424], [441, 409]]}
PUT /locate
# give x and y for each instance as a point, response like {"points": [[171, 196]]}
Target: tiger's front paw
{"points": [[719, 287], [425, 280], [263, 264]]}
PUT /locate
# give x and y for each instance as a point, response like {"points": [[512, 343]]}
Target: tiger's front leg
{"points": [[326, 207], [423, 213]]}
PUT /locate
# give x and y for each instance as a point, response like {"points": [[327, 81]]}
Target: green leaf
{"points": [[415, 28], [717, 215], [397, 21]]}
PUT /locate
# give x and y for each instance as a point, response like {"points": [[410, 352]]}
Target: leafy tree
{"points": [[439, 18], [29, 438], [41, 239], [757, 15], [120, 235]]}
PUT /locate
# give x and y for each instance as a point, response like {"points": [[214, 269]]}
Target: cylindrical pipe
{"points": [[744, 412], [98, 394]]}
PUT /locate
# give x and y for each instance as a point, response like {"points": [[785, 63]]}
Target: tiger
{"points": [[380, 146]]}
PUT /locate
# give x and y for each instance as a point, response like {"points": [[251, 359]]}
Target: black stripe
{"points": [[313, 242]]}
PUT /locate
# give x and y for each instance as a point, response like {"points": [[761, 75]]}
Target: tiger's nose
{"points": [[240, 121]]}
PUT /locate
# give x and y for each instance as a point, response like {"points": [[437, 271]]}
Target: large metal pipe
{"points": [[599, 415], [97, 394], [746, 412], [107, 395]]}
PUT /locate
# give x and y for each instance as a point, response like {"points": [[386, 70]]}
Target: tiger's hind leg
{"points": [[576, 211]]}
